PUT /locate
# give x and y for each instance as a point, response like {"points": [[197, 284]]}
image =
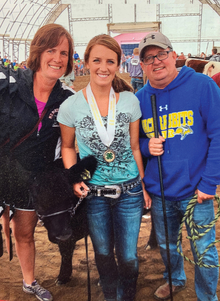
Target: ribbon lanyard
{"points": [[106, 136]]}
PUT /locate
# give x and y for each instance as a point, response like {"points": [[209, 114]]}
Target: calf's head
{"points": [[54, 199]]}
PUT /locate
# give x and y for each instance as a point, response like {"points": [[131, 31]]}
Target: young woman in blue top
{"points": [[104, 117]]}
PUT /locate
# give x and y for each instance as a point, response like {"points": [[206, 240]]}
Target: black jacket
{"points": [[39, 149], [4, 107]]}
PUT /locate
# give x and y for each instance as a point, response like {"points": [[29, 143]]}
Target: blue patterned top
{"points": [[75, 112]]}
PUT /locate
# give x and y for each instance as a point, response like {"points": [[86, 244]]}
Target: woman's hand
{"points": [[147, 199], [80, 189], [155, 146]]}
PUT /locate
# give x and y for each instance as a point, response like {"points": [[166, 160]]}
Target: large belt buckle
{"points": [[117, 190]]}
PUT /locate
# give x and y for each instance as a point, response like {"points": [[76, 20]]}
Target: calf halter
{"points": [[71, 210]]}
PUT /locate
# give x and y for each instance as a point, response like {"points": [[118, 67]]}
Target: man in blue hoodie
{"points": [[188, 109]]}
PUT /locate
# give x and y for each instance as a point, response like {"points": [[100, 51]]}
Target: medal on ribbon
{"points": [[109, 155], [106, 135]]}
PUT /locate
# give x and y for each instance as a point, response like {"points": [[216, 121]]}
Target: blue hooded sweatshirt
{"points": [[190, 106]]}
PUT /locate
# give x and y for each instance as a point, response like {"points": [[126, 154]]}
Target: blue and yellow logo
{"points": [[183, 131], [179, 123]]}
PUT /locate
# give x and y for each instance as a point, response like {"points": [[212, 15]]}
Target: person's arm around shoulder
{"points": [[134, 141], [69, 156]]}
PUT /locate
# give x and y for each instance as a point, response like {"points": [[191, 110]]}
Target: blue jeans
{"points": [[206, 279], [137, 83], [115, 224]]}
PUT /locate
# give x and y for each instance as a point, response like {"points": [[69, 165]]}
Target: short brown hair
{"points": [[118, 83], [48, 36]]}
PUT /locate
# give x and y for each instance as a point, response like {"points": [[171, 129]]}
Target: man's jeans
{"points": [[206, 279], [116, 223], [137, 83]]}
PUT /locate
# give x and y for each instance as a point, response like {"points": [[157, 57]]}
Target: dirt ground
{"points": [[48, 264]]}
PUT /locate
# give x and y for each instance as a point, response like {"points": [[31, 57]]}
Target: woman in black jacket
{"points": [[35, 95]]}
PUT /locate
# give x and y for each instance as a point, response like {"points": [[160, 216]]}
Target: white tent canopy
{"points": [[186, 22]]}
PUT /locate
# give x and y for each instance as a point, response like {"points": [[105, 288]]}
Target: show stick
{"points": [[156, 131]]}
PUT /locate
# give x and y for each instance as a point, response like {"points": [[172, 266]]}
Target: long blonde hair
{"points": [[118, 84]]}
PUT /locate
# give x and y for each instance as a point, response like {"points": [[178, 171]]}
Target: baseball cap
{"points": [[154, 39]]}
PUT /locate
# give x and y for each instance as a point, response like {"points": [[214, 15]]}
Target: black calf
{"points": [[55, 201]]}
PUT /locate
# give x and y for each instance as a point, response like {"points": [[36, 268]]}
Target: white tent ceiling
{"points": [[185, 22]]}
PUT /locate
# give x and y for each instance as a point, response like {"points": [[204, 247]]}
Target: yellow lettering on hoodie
{"points": [[190, 118], [171, 133], [182, 117], [163, 122], [176, 120], [164, 134], [144, 125], [150, 125], [147, 125]]}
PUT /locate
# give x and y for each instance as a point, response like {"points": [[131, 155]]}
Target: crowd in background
{"points": [[126, 59], [79, 68], [14, 65]]}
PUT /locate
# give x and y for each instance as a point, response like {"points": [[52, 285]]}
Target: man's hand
{"points": [[155, 146], [203, 196]]}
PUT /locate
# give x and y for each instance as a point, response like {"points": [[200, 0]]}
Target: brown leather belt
{"points": [[137, 77]]}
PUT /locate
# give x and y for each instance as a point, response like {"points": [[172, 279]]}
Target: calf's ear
{"points": [[83, 170]]}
